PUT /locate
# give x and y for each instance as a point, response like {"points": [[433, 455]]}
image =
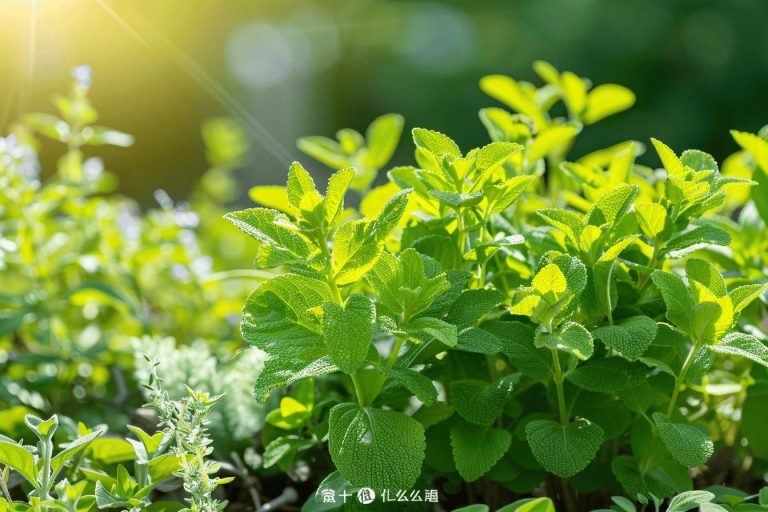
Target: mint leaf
{"points": [[688, 500], [695, 239], [572, 338], [301, 188], [744, 345], [677, 298], [629, 337], [281, 239], [355, 251], [415, 382], [277, 320], [473, 304], [426, 329], [564, 450], [481, 402], [347, 331], [707, 275], [476, 450], [382, 137], [333, 204], [608, 375], [374, 447], [611, 206], [479, 341], [517, 343], [687, 444], [435, 142]]}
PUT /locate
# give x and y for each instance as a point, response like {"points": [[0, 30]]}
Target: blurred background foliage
{"points": [[296, 67]]}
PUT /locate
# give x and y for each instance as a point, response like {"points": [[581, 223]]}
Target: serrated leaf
{"points": [[355, 251], [456, 200], [479, 341], [476, 450], [481, 402], [743, 345], [687, 444], [518, 345], [374, 447], [572, 338], [473, 304], [606, 100], [550, 139], [688, 500], [417, 383], [706, 274], [300, 186], [568, 222], [435, 142], [677, 298], [651, 217], [608, 375], [550, 282], [629, 337], [277, 319], [743, 296], [347, 331], [280, 236], [333, 204], [564, 450], [611, 206], [428, 328], [695, 239], [669, 159], [282, 447]]}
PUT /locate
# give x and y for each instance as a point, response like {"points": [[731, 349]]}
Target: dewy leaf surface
{"points": [[564, 450], [476, 450], [376, 448]]}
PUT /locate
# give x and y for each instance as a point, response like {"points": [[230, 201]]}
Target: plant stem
{"points": [[358, 387], [395, 351], [558, 378], [680, 379]]}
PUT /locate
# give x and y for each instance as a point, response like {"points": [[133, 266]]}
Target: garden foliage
{"points": [[495, 323]]}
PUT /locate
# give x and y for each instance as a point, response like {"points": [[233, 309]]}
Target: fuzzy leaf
{"points": [[611, 206], [687, 444], [481, 402], [279, 235], [572, 338], [608, 375], [744, 345], [19, 459], [415, 382], [629, 337], [564, 450], [427, 328], [606, 100], [476, 450], [688, 500], [435, 142], [382, 137], [706, 274], [375, 447], [473, 304], [347, 331], [651, 217], [695, 239], [480, 341], [518, 345], [677, 298]]}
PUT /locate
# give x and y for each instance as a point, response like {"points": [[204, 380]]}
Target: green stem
{"points": [[558, 378], [395, 351], [358, 387], [680, 379]]}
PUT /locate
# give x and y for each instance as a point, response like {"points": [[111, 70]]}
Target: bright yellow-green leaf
{"points": [[606, 100], [550, 279], [651, 218]]}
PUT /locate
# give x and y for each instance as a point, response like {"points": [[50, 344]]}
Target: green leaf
{"points": [[695, 239], [355, 251], [390, 215], [706, 274], [403, 285], [688, 500], [426, 329], [476, 450], [333, 204], [612, 206], [415, 382], [669, 160], [473, 304], [324, 150], [743, 296], [347, 331], [651, 217], [456, 200], [481, 402], [430, 415], [572, 338], [283, 241], [568, 222], [627, 472], [20, 460], [435, 142], [517, 341], [677, 298], [687, 444], [606, 100], [479, 341], [72, 450], [282, 447], [630, 337], [743, 345], [508, 91], [277, 319], [564, 450], [301, 187], [530, 505], [376, 448], [763, 497], [550, 139], [382, 137], [608, 375]]}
